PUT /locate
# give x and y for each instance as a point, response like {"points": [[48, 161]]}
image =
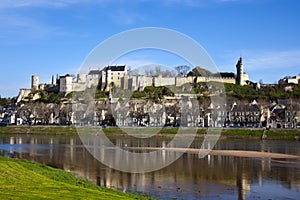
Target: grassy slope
{"points": [[21, 179]]}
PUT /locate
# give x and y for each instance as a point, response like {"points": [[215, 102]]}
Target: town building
{"points": [[281, 115], [245, 115], [290, 80]]}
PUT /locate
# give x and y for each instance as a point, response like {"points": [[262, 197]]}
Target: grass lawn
{"points": [[21, 179], [65, 130], [285, 134]]}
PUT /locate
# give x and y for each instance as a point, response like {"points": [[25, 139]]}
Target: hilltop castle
{"points": [[117, 76]]}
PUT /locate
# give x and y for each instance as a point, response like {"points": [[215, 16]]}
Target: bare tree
{"points": [[132, 72], [158, 71], [149, 72], [182, 70], [168, 73]]}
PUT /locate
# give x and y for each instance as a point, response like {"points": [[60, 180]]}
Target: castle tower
{"points": [[34, 82], [52, 80], [239, 72], [66, 84]]}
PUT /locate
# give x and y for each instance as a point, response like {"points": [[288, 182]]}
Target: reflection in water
{"points": [[189, 177]]}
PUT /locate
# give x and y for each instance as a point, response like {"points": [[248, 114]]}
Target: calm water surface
{"points": [[213, 177]]}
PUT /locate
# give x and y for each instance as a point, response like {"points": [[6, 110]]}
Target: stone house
{"points": [[290, 80], [245, 115], [111, 76], [281, 117]]}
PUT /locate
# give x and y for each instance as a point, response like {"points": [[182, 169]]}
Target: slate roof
{"points": [[246, 108], [94, 72], [278, 114], [67, 75], [115, 68]]}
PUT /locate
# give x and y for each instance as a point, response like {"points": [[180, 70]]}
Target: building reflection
{"points": [[188, 175]]}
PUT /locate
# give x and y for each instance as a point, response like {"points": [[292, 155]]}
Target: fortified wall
{"points": [[117, 76], [140, 82]]}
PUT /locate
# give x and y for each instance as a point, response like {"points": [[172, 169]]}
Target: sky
{"points": [[49, 37]]}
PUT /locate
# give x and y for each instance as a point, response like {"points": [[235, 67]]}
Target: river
{"points": [[212, 177]]}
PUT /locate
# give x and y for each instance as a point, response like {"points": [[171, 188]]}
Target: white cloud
{"points": [[134, 63], [258, 60], [224, 1], [12, 20], [65, 3], [28, 3], [124, 17], [273, 60], [38, 3], [54, 3], [200, 3], [11, 24], [183, 2], [267, 65]]}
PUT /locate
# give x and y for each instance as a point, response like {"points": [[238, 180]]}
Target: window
{"points": [[112, 78]]}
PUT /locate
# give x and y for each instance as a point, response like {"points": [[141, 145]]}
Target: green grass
{"points": [[242, 133], [71, 130], [229, 133], [150, 130], [21, 179], [39, 129], [283, 134], [273, 134]]}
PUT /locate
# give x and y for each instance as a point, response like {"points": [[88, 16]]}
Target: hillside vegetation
{"points": [[273, 92], [246, 92]]}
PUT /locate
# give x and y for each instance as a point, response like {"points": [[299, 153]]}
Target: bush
{"points": [[267, 92]]}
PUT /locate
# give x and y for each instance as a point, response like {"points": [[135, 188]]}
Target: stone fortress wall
{"points": [[117, 76], [140, 82]]}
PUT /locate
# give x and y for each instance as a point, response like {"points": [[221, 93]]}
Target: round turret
{"points": [[34, 82], [239, 72]]}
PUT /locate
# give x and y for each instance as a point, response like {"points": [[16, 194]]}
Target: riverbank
{"points": [[240, 133], [22, 179]]}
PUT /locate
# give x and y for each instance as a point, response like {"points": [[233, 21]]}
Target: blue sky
{"points": [[49, 37]]}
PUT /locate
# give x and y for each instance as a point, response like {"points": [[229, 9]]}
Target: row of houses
{"points": [[184, 112], [187, 113], [36, 114]]}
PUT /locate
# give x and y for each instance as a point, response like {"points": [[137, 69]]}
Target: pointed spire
{"points": [[240, 62]]}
